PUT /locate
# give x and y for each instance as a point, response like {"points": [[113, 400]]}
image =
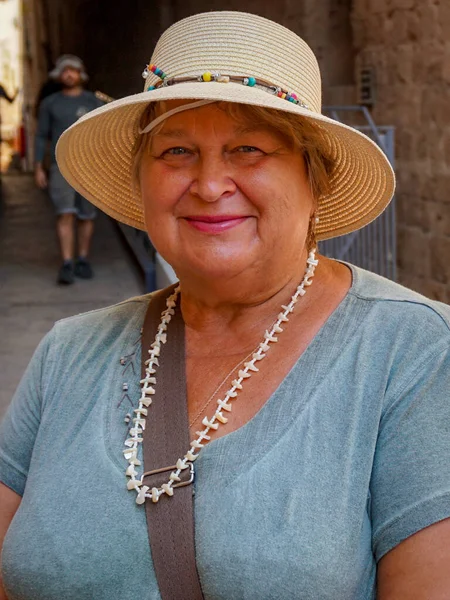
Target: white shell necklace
{"points": [[135, 434]]}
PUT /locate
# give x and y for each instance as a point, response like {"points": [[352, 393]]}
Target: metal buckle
{"points": [[173, 468]]}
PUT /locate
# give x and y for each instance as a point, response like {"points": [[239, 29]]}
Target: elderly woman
{"points": [[317, 393]]}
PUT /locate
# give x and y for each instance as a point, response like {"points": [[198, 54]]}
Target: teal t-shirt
{"points": [[346, 459]]}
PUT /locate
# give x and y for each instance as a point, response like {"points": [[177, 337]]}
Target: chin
{"points": [[212, 267]]}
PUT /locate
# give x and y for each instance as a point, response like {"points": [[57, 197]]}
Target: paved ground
{"points": [[30, 299]]}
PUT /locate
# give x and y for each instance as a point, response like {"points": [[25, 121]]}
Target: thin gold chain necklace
{"points": [[227, 376]]}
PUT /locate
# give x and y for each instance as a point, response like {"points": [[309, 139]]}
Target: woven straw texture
{"points": [[95, 154]]}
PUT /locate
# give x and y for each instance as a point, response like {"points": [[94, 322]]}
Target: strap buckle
{"points": [[191, 472]]}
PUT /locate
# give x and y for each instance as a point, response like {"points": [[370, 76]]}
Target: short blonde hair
{"points": [[302, 134]]}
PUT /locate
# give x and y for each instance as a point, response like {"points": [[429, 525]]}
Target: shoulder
{"points": [[106, 321], [398, 303], [400, 338], [98, 332], [92, 339], [393, 330], [50, 100], [90, 97]]}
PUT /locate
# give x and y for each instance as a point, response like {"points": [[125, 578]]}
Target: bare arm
{"points": [[9, 503], [419, 567], [40, 143]]}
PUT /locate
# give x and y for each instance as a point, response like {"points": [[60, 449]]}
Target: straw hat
{"points": [[243, 58], [68, 60]]}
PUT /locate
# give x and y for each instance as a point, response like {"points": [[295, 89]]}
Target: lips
{"points": [[214, 223]]}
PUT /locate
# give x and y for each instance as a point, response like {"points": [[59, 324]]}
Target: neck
{"points": [[235, 319], [73, 91]]}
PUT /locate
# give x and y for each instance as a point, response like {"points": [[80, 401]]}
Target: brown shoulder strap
{"points": [[166, 438]]}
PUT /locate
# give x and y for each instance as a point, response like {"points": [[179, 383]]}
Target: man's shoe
{"points": [[65, 274], [83, 269]]}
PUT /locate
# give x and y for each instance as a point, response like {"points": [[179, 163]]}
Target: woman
{"points": [[331, 477]]}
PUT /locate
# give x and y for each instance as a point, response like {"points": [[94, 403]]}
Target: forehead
{"points": [[214, 118], [70, 69]]}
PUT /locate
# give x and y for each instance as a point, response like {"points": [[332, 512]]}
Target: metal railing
{"points": [[374, 246]]}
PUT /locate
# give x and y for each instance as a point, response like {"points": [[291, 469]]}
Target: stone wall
{"points": [[407, 42]]}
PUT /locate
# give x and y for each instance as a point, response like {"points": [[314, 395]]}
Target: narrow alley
{"points": [[30, 299]]}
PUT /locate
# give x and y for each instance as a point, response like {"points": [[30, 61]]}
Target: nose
{"points": [[212, 179]]}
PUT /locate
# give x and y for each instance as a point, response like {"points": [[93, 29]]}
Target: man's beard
{"points": [[70, 84]]}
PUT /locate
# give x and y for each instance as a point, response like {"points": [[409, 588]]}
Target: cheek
{"points": [[281, 195], [161, 190]]}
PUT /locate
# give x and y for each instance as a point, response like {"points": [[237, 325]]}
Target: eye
{"points": [[248, 149], [177, 151]]}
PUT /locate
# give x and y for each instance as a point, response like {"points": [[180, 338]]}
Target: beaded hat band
{"points": [[234, 57], [208, 77]]}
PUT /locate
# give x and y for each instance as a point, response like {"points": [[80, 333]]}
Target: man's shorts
{"points": [[66, 200]]}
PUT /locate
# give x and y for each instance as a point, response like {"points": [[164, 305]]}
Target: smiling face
{"points": [[224, 196]]}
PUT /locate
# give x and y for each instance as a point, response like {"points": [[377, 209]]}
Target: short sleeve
{"points": [[410, 484], [20, 425]]}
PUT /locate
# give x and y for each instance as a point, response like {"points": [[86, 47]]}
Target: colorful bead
{"points": [[283, 96], [150, 88], [153, 68], [207, 76], [251, 81], [294, 96]]}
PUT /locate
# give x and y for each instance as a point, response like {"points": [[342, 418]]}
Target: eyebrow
{"points": [[172, 133]]}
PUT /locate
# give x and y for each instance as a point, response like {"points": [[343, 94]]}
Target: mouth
{"points": [[214, 224]]}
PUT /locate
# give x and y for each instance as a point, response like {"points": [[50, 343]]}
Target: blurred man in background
{"points": [[74, 213]]}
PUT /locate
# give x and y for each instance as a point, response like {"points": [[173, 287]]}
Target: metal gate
{"points": [[374, 246]]}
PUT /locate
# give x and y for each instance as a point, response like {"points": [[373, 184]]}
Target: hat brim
{"points": [[95, 156]]}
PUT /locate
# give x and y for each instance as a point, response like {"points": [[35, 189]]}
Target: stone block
{"points": [[404, 4], [412, 212], [405, 145], [438, 189], [413, 252], [440, 259], [409, 180], [428, 14], [403, 68], [429, 56], [435, 106], [444, 17], [446, 62], [446, 144], [439, 218], [379, 6]]}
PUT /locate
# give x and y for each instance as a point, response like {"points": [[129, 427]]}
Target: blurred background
{"points": [[386, 70]]}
